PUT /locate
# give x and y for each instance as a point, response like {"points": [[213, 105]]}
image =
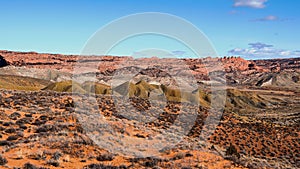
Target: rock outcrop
{"points": [[233, 70], [2, 62]]}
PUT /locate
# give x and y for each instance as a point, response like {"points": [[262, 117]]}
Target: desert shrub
{"points": [[56, 155], [20, 134], [28, 115], [232, 151], [3, 160], [79, 129], [69, 103], [7, 123], [122, 167], [295, 79], [134, 160], [48, 128], [22, 126], [151, 163], [53, 163], [186, 168], [43, 117], [105, 157], [38, 156], [42, 129], [29, 166], [178, 156], [102, 166], [12, 138], [25, 120], [189, 154], [10, 130], [4, 143], [15, 116], [38, 122]]}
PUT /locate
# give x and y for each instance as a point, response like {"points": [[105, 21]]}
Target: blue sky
{"points": [[253, 29]]}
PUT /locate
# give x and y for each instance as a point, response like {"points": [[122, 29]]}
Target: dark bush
{"points": [[56, 155], [38, 156], [25, 120], [29, 166], [7, 123], [3, 160], [12, 138], [102, 166], [43, 117], [150, 163], [15, 116], [45, 128], [79, 129], [105, 157], [232, 151], [53, 163], [179, 155], [4, 143], [28, 115], [38, 122], [20, 134], [295, 79], [10, 130], [22, 126], [189, 154], [3, 61], [69, 104]]}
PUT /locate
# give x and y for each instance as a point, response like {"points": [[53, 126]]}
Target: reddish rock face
{"points": [[108, 64], [277, 65], [67, 62], [52, 61]]}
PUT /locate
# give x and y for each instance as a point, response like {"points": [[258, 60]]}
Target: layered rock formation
{"points": [[110, 63]]}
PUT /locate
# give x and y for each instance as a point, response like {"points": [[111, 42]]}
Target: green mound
{"points": [[177, 95], [140, 89], [235, 99], [65, 86], [97, 88], [146, 90], [22, 83]]}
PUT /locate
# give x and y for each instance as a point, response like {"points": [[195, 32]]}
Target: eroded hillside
{"points": [[59, 111]]}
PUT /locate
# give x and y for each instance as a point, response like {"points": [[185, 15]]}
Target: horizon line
{"points": [[72, 54]]}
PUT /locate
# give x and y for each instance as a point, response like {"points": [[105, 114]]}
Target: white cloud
{"points": [[178, 53], [261, 50], [271, 18], [267, 18], [151, 53], [250, 3], [259, 45]]}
